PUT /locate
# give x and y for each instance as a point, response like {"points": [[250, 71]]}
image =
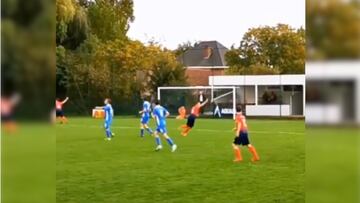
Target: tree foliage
{"points": [[269, 50], [96, 59], [333, 29], [166, 71], [110, 19]]}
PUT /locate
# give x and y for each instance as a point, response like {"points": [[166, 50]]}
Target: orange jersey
{"points": [[240, 122], [58, 104], [196, 109]]}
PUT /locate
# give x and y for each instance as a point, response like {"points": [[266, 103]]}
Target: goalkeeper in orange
{"points": [[242, 138], [195, 112]]}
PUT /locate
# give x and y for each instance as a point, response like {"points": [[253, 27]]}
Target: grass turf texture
{"points": [[332, 164], [127, 169], [28, 164]]}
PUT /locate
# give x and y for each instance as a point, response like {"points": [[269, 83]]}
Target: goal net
{"points": [[221, 99]]}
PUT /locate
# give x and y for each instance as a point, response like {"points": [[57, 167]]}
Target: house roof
{"points": [[205, 53]]}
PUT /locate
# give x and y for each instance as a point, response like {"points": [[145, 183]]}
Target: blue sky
{"points": [[171, 22]]}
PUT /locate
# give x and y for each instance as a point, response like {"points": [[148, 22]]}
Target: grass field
{"points": [[127, 169], [332, 164]]}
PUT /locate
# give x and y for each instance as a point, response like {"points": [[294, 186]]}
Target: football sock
{"points": [[108, 133], [186, 130], [149, 130], [64, 120], [169, 140], [237, 153], [254, 153], [158, 141], [142, 132]]}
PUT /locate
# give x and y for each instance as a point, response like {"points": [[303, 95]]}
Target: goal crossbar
{"points": [[233, 88]]}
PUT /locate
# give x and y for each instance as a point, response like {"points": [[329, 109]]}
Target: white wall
{"points": [[255, 80], [330, 71], [323, 114], [238, 80], [268, 110]]}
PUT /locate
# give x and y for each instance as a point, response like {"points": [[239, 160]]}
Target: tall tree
{"points": [[269, 50], [110, 19], [72, 25], [333, 29], [165, 71]]}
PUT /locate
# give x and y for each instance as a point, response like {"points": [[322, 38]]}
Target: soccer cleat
{"points": [[184, 134], [182, 127], [237, 160], [158, 148], [107, 138], [255, 159], [173, 148]]}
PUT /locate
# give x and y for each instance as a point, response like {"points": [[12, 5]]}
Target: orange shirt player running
{"points": [[59, 110], [195, 112], [242, 138]]}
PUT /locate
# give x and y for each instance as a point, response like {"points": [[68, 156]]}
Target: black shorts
{"points": [[191, 120], [59, 113], [242, 139]]}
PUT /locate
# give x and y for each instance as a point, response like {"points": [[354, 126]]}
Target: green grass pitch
{"points": [[127, 169]]}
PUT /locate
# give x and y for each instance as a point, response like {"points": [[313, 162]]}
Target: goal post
{"points": [[221, 97]]}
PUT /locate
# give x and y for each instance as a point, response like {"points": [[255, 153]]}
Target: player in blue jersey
{"points": [[109, 114], [145, 117], [160, 114]]}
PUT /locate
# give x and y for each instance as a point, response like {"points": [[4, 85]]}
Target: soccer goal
{"points": [[221, 99]]}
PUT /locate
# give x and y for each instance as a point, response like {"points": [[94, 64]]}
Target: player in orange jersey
{"points": [[7, 107], [59, 110], [195, 112], [241, 137]]}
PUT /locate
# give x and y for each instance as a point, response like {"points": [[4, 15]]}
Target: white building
{"points": [[333, 92], [267, 95]]}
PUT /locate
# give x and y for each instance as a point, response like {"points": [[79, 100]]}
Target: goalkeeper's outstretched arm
{"points": [[65, 100], [204, 103]]}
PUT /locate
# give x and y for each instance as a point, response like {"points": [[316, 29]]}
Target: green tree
{"points": [[166, 71], [269, 50], [333, 29], [72, 26], [62, 76], [95, 58], [65, 12], [110, 19]]}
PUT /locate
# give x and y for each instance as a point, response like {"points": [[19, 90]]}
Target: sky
{"points": [[172, 22]]}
